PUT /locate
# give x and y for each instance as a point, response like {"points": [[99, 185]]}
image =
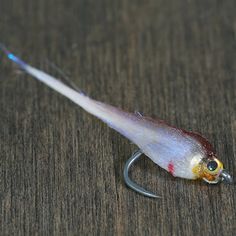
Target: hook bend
{"points": [[130, 183]]}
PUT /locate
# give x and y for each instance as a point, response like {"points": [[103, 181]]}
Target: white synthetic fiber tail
{"points": [[79, 98]]}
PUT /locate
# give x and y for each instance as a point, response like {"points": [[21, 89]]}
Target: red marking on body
{"points": [[203, 142], [171, 167]]}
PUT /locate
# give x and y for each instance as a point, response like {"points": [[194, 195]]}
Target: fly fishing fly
{"points": [[182, 153]]}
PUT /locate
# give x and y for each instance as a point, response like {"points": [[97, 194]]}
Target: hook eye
{"points": [[134, 158], [225, 177]]}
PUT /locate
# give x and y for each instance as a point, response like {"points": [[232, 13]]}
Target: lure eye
{"points": [[212, 170], [212, 165]]}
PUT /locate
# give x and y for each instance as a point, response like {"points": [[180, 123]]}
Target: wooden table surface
{"points": [[61, 169]]}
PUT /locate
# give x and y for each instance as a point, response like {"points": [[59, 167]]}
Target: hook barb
{"points": [[135, 157]]}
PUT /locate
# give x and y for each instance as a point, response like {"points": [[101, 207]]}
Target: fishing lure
{"points": [[182, 153]]}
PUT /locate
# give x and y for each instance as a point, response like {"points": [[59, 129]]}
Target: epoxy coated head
{"points": [[212, 171]]}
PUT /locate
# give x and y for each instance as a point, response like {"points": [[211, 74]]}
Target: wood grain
{"points": [[61, 169]]}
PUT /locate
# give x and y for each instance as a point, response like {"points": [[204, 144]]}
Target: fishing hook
{"points": [[130, 183], [225, 177]]}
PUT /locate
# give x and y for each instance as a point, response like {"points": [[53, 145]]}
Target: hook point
{"points": [[131, 183]]}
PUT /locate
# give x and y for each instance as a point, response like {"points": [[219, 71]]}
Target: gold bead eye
{"points": [[213, 166]]}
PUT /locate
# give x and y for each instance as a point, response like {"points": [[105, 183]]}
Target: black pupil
{"points": [[212, 165]]}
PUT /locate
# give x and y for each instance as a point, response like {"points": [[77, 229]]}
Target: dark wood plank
{"points": [[61, 169]]}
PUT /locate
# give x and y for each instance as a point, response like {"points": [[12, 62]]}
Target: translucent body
{"points": [[182, 153], [173, 149]]}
